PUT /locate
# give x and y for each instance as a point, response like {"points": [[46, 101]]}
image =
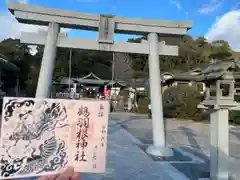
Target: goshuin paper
{"points": [[43, 136]]}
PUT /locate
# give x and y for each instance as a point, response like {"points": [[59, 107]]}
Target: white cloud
{"points": [[177, 4], [11, 28], [211, 7], [226, 28], [23, 1]]}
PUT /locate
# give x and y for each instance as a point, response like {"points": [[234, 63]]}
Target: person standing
{"points": [[105, 92], [114, 100]]}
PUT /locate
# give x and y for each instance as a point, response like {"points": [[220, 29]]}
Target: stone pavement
{"points": [[190, 137], [127, 160]]}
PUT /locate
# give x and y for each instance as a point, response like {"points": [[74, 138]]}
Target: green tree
{"points": [[221, 50], [192, 54]]}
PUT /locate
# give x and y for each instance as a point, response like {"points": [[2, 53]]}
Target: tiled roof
{"points": [[213, 71]]}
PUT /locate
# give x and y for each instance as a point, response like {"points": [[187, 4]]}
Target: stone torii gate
{"points": [[106, 25]]}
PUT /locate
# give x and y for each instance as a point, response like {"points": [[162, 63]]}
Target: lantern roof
{"points": [[211, 72]]}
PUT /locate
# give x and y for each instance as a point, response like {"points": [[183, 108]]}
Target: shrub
{"points": [[143, 105], [181, 102], [234, 116]]}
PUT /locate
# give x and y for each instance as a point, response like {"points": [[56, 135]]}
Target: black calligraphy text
{"points": [[103, 135], [94, 157], [82, 134], [101, 109]]}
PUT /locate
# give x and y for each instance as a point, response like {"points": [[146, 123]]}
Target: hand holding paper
{"points": [[68, 174]]}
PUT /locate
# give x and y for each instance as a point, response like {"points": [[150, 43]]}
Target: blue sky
{"points": [[204, 13]]}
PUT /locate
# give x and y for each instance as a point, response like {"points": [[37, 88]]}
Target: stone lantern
{"points": [[219, 99], [220, 92]]}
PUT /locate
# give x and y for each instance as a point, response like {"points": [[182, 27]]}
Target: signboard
{"points": [[106, 29]]}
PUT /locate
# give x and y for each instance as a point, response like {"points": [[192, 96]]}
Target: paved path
{"points": [[194, 136], [127, 160]]}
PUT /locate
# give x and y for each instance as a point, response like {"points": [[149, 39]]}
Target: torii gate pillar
{"points": [[159, 145], [48, 61]]}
